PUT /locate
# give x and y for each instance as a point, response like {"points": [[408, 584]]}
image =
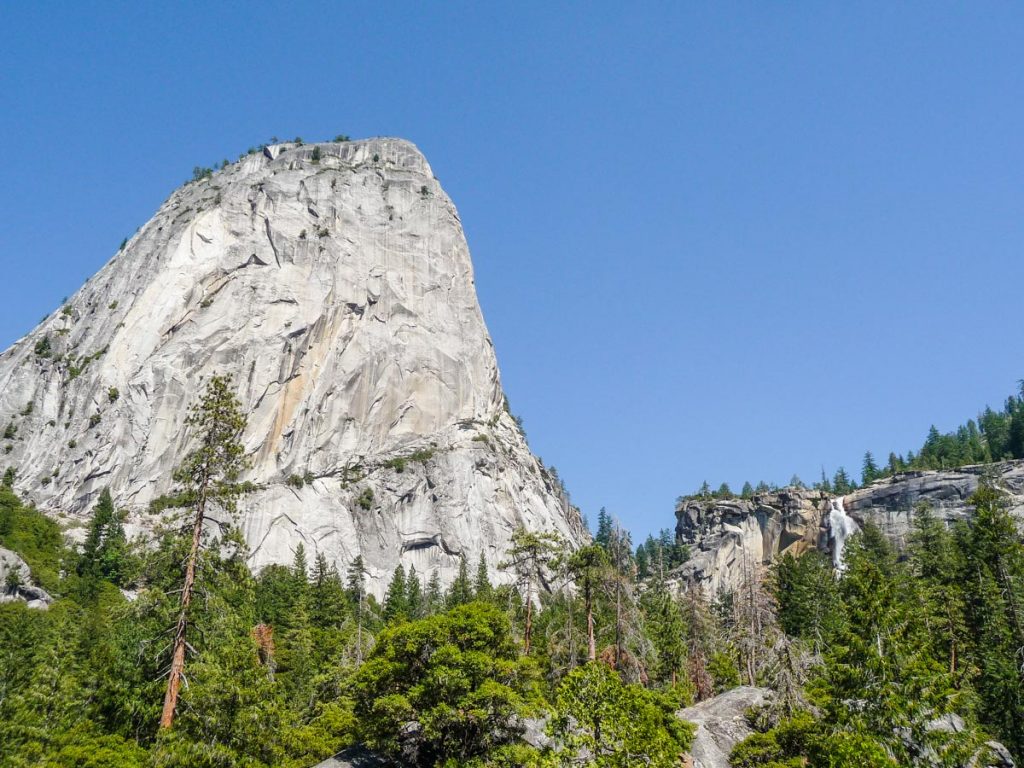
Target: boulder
{"points": [[721, 724], [25, 590]]}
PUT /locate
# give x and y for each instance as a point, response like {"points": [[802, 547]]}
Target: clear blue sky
{"points": [[712, 240]]}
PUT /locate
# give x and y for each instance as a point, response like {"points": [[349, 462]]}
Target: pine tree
{"points": [[588, 567], [396, 601], [207, 477], [748, 491], [461, 591], [482, 589], [841, 483], [414, 594], [105, 550], [435, 596], [356, 584], [869, 470], [327, 594], [604, 528], [300, 568], [530, 558], [643, 566]]}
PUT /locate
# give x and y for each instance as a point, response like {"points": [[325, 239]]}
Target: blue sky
{"points": [[718, 241]]}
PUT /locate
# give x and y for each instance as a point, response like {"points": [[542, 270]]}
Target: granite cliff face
{"points": [[333, 282], [890, 503], [728, 538]]}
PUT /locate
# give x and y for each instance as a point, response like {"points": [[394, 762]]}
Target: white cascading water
{"points": [[841, 527]]}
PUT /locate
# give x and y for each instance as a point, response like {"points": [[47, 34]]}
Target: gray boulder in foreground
{"points": [[355, 757], [721, 724]]}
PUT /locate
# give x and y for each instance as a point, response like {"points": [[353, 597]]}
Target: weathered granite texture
{"points": [[721, 724], [334, 283], [890, 503], [34, 596], [730, 538]]}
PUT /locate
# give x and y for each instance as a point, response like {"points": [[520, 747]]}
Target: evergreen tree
{"points": [[807, 596], [461, 591], [105, 552], [869, 470], [530, 558], [300, 568], [643, 569], [841, 483], [396, 602], [588, 566], [748, 491], [356, 584], [482, 589], [604, 528], [434, 600], [207, 478], [994, 567], [327, 594], [414, 594]]}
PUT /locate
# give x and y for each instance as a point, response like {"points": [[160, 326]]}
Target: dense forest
{"points": [[600, 646]]}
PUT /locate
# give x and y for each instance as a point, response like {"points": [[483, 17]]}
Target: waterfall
{"points": [[841, 527]]}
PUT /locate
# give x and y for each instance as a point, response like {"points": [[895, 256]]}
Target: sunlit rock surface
{"points": [[729, 539], [333, 282]]}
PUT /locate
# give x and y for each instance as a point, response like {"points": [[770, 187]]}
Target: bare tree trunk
{"points": [[178, 654], [359, 629], [529, 618], [591, 642], [618, 618]]}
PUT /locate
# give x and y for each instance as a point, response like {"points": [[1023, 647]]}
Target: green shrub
{"points": [[397, 464], [295, 481], [341, 137], [365, 499], [43, 347], [31, 534], [94, 420], [315, 157], [113, 394], [29, 407], [10, 431], [169, 501], [199, 173], [112, 305]]}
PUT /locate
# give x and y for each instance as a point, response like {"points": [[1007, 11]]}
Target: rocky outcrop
{"points": [[722, 724], [355, 757], [890, 503], [333, 282], [16, 582], [728, 538]]}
